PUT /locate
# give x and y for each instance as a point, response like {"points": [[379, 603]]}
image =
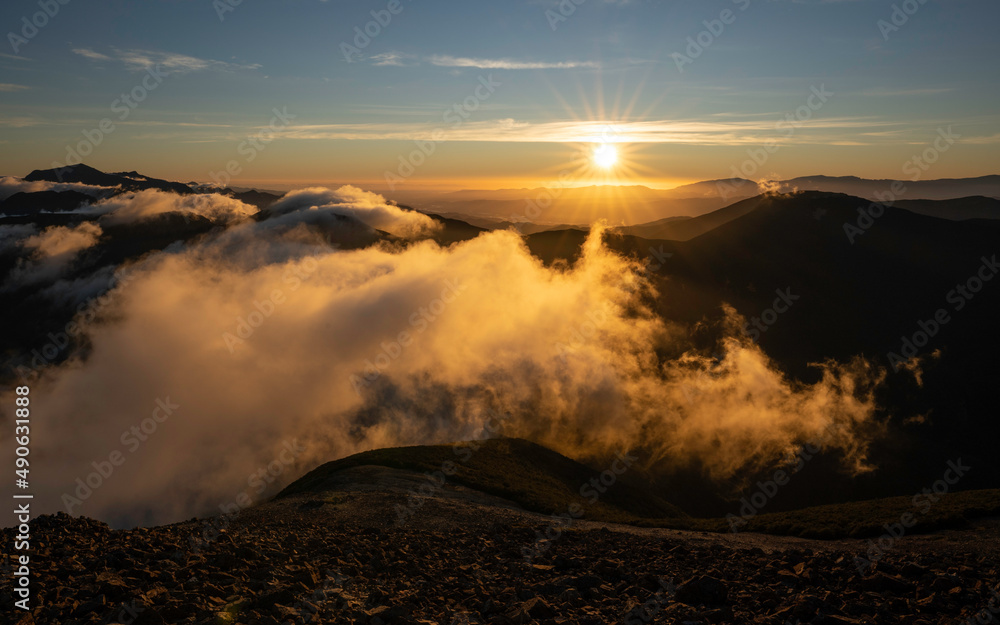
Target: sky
{"points": [[499, 94]]}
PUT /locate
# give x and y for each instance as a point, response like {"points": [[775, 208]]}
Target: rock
{"points": [[536, 608], [703, 590], [569, 595], [880, 582], [830, 619], [719, 615], [388, 614], [945, 583], [911, 570], [283, 596], [586, 582], [329, 565]]}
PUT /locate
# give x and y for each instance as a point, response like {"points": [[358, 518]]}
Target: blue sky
{"points": [[609, 69]]}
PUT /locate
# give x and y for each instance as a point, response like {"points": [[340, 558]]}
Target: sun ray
{"points": [[605, 156]]}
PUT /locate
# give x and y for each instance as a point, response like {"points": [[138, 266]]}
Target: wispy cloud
{"points": [[982, 140], [906, 92], [681, 131], [394, 59], [90, 54], [400, 59], [8, 87], [21, 121], [444, 60], [137, 59]]}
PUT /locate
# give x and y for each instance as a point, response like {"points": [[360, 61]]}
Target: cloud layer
{"points": [[9, 185], [132, 207], [51, 252], [265, 334], [165, 62], [354, 203]]}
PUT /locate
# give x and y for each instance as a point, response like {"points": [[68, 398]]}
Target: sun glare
{"points": [[605, 156]]}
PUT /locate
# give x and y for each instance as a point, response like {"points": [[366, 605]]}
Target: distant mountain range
{"points": [[639, 205], [128, 181], [862, 297], [860, 292], [686, 228], [115, 183], [943, 189]]}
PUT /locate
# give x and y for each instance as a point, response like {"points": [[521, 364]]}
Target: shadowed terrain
{"points": [[330, 549]]}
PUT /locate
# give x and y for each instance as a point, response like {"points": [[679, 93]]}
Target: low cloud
{"points": [[263, 334], [51, 252], [72, 293], [129, 208], [9, 185], [60, 241], [11, 237], [368, 208]]}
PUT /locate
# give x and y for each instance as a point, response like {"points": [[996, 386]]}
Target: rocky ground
{"points": [[347, 557]]}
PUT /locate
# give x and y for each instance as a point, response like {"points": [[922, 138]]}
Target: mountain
{"points": [[532, 476], [683, 229], [943, 189], [524, 227], [975, 207], [395, 547], [260, 199], [861, 284], [453, 230], [735, 187], [635, 205], [130, 181], [866, 296], [50, 201], [585, 205]]}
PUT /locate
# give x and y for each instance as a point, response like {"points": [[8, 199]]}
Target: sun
{"points": [[605, 156]]}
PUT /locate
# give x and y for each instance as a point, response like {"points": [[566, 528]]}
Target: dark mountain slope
{"points": [[943, 189], [50, 201], [88, 175], [857, 298], [675, 229], [975, 207], [534, 477]]}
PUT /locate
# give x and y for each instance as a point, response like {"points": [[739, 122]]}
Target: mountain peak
{"points": [[85, 174]]}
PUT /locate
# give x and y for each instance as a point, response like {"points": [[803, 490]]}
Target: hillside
{"points": [[540, 480], [350, 559], [678, 229], [536, 478], [860, 297], [975, 207]]}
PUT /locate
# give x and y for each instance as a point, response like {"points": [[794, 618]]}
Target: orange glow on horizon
{"points": [[479, 184]]}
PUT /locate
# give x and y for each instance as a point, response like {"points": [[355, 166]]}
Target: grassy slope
{"points": [[544, 481], [536, 478]]}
